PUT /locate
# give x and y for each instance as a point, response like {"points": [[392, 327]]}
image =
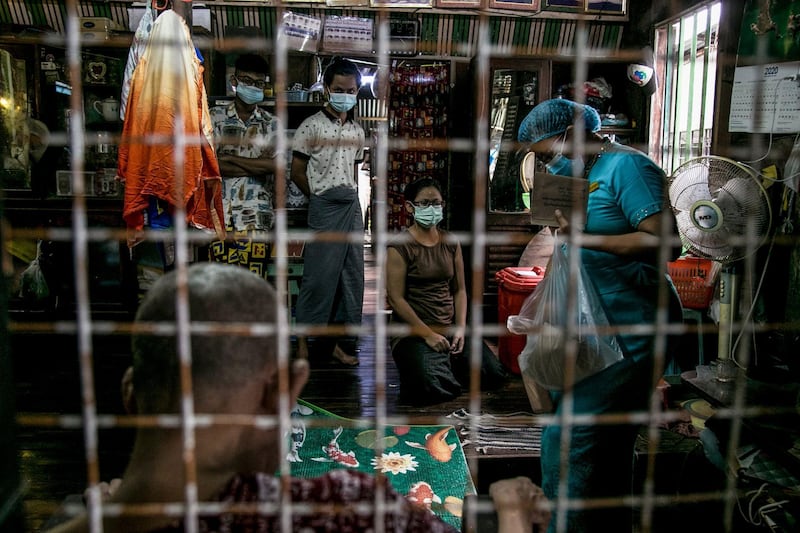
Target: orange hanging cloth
{"points": [[167, 100]]}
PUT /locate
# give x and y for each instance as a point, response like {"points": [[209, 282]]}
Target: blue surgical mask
{"points": [[249, 94], [428, 216], [560, 164], [342, 102]]}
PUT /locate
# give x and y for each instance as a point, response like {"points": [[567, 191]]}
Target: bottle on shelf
{"points": [[269, 92]]}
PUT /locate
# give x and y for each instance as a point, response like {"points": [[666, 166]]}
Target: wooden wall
{"points": [[441, 33]]}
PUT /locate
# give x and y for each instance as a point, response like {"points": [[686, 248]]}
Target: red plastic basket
{"points": [[692, 279]]}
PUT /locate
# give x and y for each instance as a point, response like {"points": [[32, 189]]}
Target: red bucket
{"points": [[514, 285]]}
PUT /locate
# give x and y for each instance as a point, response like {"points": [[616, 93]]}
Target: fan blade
{"points": [[711, 244], [688, 186], [742, 203], [684, 198]]}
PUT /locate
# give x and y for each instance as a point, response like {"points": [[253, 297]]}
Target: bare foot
{"points": [[344, 358]]}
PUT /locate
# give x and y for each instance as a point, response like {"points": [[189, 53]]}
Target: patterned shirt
{"points": [[332, 148], [247, 200], [344, 497]]}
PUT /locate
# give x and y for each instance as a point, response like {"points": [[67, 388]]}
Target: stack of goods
{"points": [[419, 95], [597, 93]]}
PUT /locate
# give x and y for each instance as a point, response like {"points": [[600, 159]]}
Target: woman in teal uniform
{"points": [[627, 206]]}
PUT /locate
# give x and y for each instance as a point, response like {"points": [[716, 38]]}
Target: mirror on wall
{"points": [[516, 89]]}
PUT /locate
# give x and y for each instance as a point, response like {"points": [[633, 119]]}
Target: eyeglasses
{"points": [[247, 80], [557, 146], [428, 203]]}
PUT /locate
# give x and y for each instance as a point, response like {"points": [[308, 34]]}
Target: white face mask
{"points": [[342, 102]]}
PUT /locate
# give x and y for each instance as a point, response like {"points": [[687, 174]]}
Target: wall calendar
{"points": [[766, 99]]}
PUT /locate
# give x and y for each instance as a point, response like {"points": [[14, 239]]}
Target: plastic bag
{"points": [[544, 319], [33, 285]]}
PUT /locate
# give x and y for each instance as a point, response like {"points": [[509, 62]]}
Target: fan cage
{"points": [[752, 218]]}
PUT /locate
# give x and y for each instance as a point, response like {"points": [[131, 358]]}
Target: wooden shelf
{"points": [[613, 130]]}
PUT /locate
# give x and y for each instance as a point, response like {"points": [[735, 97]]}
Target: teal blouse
{"points": [[625, 187]]}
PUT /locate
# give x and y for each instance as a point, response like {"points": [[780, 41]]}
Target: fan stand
{"points": [[728, 309], [703, 192]]}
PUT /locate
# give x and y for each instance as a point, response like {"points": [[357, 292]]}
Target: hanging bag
{"points": [[545, 319], [33, 285]]}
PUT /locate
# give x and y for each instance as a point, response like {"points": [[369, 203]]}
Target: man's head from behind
{"points": [[234, 366], [222, 362]]}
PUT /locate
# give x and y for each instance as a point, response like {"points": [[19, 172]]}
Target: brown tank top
{"points": [[430, 280]]}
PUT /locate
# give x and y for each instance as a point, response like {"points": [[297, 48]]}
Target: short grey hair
{"points": [[217, 293]]}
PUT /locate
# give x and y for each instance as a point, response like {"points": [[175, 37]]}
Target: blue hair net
{"points": [[553, 117]]}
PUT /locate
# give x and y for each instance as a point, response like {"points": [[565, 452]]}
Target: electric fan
{"points": [[723, 214]]}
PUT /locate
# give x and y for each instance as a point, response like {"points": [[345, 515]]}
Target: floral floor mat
{"points": [[425, 463]]}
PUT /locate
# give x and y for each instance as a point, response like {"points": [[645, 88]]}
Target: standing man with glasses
{"points": [[246, 140], [327, 149]]}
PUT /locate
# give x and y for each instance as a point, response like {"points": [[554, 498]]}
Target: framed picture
{"points": [[611, 7], [401, 3], [567, 4], [527, 5], [461, 4], [346, 3]]}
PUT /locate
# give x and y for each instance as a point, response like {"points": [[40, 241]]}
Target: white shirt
{"points": [[332, 148]]}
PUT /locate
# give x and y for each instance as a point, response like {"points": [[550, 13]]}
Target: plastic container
{"points": [[297, 96], [693, 280], [514, 285]]}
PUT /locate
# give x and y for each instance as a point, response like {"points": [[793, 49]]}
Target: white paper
{"points": [[766, 99], [550, 192]]}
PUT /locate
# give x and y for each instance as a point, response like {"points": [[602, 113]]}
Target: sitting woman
{"points": [[426, 290]]}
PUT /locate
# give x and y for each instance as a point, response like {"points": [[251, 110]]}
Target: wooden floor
{"points": [[353, 392]]}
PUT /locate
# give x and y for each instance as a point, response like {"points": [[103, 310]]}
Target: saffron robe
{"points": [[167, 100]]}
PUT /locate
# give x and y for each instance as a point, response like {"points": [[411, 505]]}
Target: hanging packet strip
{"points": [[554, 333], [347, 34], [301, 32]]}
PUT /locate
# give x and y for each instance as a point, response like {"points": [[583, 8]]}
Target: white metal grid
{"points": [[479, 237]]}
